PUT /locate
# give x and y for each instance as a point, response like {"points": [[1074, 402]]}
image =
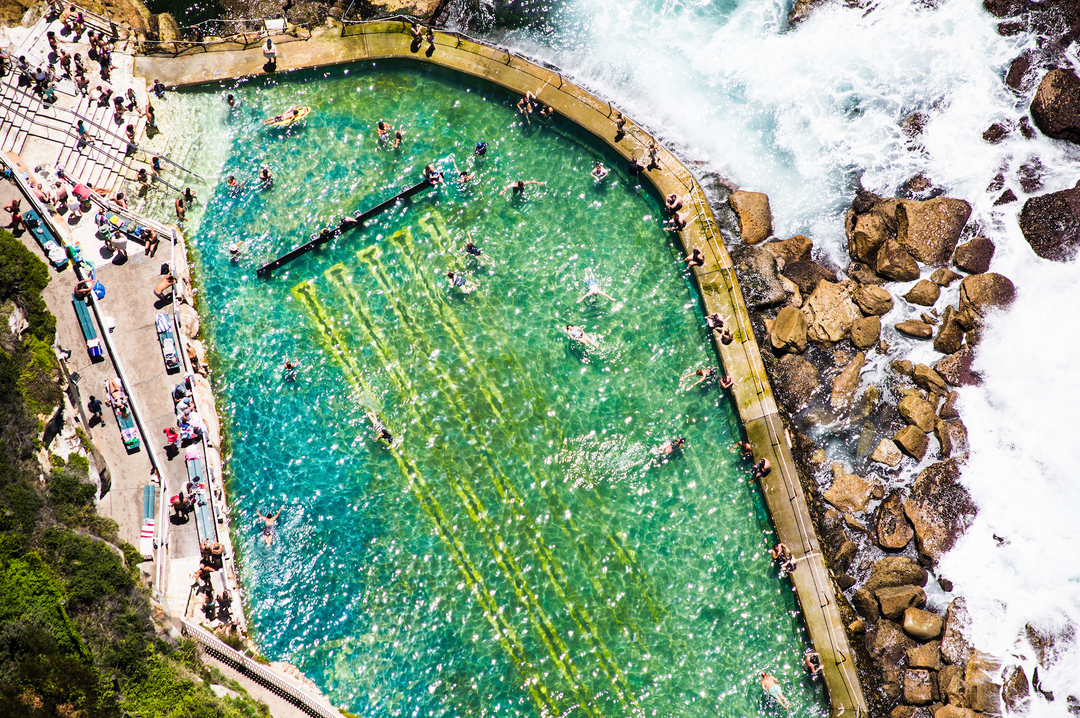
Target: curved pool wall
{"points": [[716, 281]]}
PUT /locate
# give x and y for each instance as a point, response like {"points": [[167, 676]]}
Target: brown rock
{"points": [[955, 646], [891, 525], [951, 711], [983, 292], [904, 367], [1020, 77], [925, 293], [939, 508], [950, 337], [912, 441], [922, 625], [888, 453], [830, 311], [981, 668], [1006, 197], [755, 216], [930, 230], [996, 133], [796, 381], [951, 686], [948, 409], [867, 231], [850, 493], [844, 582], [1016, 691], [928, 379], [189, 320], [793, 249], [806, 275], [1050, 642], [888, 643], [918, 411], [873, 300], [985, 698], [895, 600], [930, 317], [926, 656], [917, 687], [1056, 106], [952, 436], [865, 332], [758, 278], [955, 369], [844, 554], [896, 571], [857, 627], [1051, 224], [866, 605], [789, 331], [915, 328], [845, 384], [863, 274], [974, 256], [895, 263], [944, 277]]}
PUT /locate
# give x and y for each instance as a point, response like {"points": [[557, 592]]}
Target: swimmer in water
{"points": [[519, 186], [770, 685], [268, 526], [592, 289], [266, 178], [702, 375], [235, 250], [381, 432], [599, 172], [459, 281], [471, 250], [673, 446], [291, 367], [578, 334]]}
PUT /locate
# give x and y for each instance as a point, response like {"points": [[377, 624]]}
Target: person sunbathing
{"points": [[287, 116]]}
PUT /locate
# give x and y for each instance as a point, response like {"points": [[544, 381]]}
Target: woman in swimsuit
{"points": [[592, 289], [599, 171], [458, 281], [268, 526], [578, 334]]}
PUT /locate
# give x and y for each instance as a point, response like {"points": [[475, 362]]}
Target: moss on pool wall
{"points": [[716, 278]]}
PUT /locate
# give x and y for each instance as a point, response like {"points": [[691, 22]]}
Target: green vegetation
{"points": [[76, 637]]}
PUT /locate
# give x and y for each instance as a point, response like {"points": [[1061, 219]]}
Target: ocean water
{"points": [[521, 549], [803, 114]]}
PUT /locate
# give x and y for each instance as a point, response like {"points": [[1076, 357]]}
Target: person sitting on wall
{"points": [[167, 282], [762, 468]]}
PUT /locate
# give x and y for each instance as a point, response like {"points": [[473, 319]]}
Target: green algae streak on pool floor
{"points": [[520, 550]]}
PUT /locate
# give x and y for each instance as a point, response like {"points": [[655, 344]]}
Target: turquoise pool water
{"points": [[520, 550]]}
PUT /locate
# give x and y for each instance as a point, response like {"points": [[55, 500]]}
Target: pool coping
{"points": [[717, 282]]}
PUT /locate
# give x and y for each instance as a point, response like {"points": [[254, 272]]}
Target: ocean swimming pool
{"points": [[520, 550]]}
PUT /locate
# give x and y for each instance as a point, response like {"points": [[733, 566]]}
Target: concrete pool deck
{"points": [[719, 288]]}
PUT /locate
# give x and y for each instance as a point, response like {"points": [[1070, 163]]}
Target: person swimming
{"points": [[599, 172], [381, 432], [268, 526], [291, 368], [460, 281], [578, 334], [592, 289], [772, 687], [702, 375], [673, 446]]}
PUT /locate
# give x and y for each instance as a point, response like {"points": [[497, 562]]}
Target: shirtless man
{"points": [[268, 526], [770, 685]]}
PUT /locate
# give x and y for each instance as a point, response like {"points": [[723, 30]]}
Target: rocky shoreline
{"points": [[834, 340]]}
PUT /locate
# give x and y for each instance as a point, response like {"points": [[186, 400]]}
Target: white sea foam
{"points": [[799, 114]]}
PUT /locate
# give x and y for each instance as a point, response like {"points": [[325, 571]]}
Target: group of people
{"points": [[772, 687], [215, 606], [421, 35]]}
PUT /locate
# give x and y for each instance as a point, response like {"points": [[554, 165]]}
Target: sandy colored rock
{"points": [[851, 493], [984, 292], [845, 554], [888, 453], [951, 686], [922, 625], [952, 711], [950, 336], [917, 690], [891, 527], [943, 277], [866, 605], [796, 381], [873, 300], [894, 600], [915, 328], [948, 410], [939, 508], [975, 256], [754, 214], [793, 249], [845, 384], [982, 668], [926, 656], [925, 293], [788, 332], [956, 647], [865, 332], [896, 571], [952, 437], [189, 320], [888, 643], [928, 379], [930, 230], [895, 263], [758, 277], [985, 698], [868, 231], [830, 311], [918, 411]]}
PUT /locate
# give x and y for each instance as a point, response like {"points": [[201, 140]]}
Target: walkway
{"points": [[716, 279]]}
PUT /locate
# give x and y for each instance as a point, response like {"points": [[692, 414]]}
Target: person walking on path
{"points": [[94, 405]]}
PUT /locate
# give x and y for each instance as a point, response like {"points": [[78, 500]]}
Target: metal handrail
{"points": [[180, 46], [297, 693]]}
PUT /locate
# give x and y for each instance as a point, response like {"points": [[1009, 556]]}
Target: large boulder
{"points": [[806, 275], [925, 293], [888, 643], [928, 379], [796, 381], [888, 453], [894, 600], [913, 441], [755, 216], [873, 300], [789, 331], [896, 571], [939, 508], [955, 369], [830, 311], [850, 493], [983, 292], [918, 411], [1056, 105], [956, 647], [950, 336], [930, 230], [891, 525], [917, 689], [867, 231], [1051, 224], [896, 263], [865, 332], [974, 256], [926, 656], [844, 385], [792, 249], [922, 625], [758, 278]]}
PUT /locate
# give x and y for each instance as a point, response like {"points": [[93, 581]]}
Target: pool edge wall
{"points": [[716, 280]]}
